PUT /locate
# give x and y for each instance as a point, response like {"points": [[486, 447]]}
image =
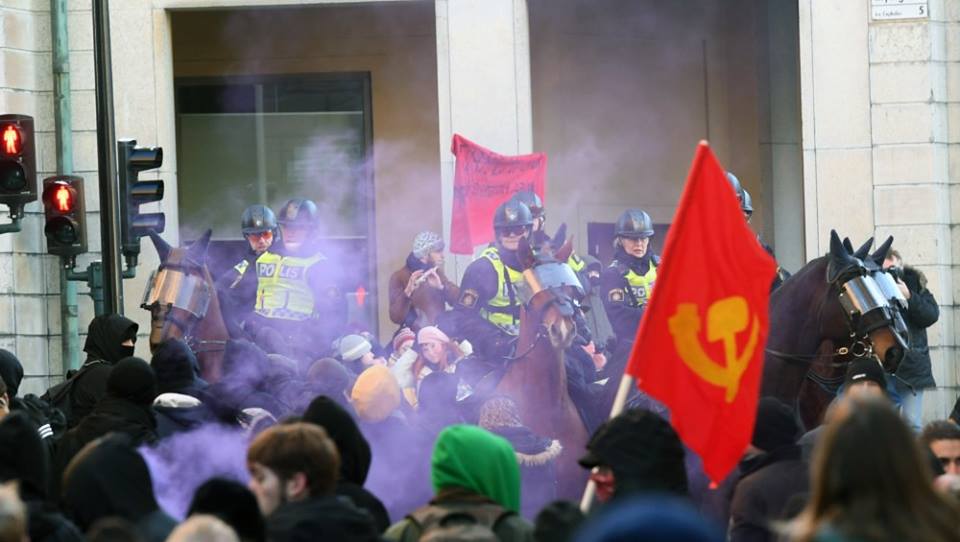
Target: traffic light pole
{"points": [[107, 163], [93, 276]]}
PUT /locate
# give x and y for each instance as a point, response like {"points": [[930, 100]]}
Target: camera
{"points": [[896, 272]]}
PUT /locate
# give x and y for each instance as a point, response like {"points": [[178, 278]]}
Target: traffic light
{"points": [[134, 193], [66, 222], [18, 163]]}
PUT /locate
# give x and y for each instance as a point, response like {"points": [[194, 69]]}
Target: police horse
{"points": [[837, 308], [535, 377], [183, 304]]}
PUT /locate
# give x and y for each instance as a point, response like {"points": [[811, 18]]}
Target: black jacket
{"points": [[111, 415], [320, 518], [23, 457], [113, 480], [614, 290], [922, 312], [104, 350], [767, 484], [355, 456], [479, 285]]}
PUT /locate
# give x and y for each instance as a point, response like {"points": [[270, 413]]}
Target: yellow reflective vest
{"points": [[639, 286], [576, 263], [499, 310], [282, 288]]}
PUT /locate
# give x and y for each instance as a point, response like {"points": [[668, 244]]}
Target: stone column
{"points": [[835, 105], [880, 154], [912, 184], [483, 84]]}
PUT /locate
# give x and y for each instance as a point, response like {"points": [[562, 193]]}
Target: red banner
{"points": [[699, 347], [483, 180]]}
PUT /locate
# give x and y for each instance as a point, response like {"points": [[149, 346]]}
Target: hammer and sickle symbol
{"points": [[725, 319]]}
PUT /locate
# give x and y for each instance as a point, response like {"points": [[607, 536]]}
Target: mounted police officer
{"points": [[626, 284], [746, 206], [298, 295], [538, 234], [488, 310], [237, 287]]}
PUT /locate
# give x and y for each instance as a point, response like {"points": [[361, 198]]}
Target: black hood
{"points": [[105, 334], [11, 371], [133, 380], [321, 518], [355, 456], [176, 367], [233, 503], [23, 456], [112, 480]]}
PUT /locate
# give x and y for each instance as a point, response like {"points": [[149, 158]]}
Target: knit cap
{"points": [[432, 334], [426, 242], [353, 347]]}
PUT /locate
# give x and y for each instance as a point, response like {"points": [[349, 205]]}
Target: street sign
{"points": [[893, 10]]}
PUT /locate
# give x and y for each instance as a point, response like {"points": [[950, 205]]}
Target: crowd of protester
{"points": [[361, 448]]}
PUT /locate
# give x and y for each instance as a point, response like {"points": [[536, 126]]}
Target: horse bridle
{"points": [[171, 286], [861, 295], [542, 331]]}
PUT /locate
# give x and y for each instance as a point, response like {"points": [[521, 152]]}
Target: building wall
{"points": [[880, 145], [29, 280], [622, 92]]}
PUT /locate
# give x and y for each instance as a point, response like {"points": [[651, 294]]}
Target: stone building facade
{"points": [[831, 119]]}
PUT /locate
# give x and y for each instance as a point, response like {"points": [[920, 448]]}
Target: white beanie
{"points": [[426, 242]]}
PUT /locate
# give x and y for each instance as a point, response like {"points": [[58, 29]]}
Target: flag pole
{"points": [[618, 403]]}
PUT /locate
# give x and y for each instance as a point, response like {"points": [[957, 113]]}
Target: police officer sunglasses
{"points": [[266, 235], [513, 231]]}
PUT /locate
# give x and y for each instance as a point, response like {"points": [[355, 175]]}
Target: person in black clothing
{"points": [[626, 284], [50, 422], [771, 476], [635, 452], [233, 503], [355, 456], [23, 458], [237, 287], [126, 408], [110, 338], [294, 470], [180, 405], [914, 373], [488, 310], [109, 478]]}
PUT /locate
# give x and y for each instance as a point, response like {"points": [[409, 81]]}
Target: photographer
{"points": [[914, 374]]}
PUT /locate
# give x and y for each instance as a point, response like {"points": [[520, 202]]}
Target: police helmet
{"points": [[747, 204], [737, 187], [299, 211], [634, 224], [512, 213], [532, 201], [258, 219]]}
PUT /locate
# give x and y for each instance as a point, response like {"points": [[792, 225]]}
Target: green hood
{"points": [[472, 458]]}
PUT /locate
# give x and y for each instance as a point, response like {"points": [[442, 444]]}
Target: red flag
{"points": [[699, 348], [483, 180]]}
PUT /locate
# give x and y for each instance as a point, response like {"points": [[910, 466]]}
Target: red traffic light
{"points": [[59, 196], [64, 199], [11, 140]]}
